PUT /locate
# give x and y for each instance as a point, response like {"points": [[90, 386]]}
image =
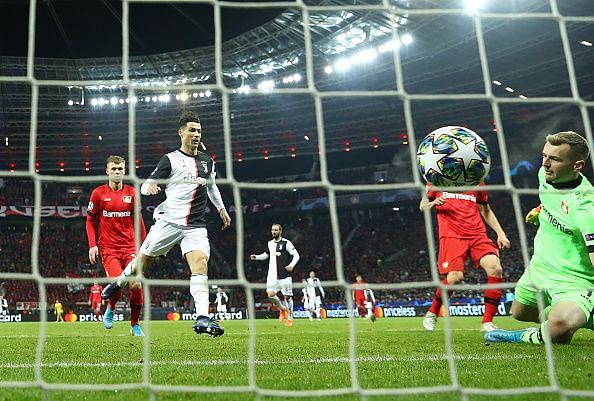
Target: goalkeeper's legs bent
{"points": [[564, 319]]}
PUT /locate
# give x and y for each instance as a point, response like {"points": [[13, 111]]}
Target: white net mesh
{"points": [[318, 96]]}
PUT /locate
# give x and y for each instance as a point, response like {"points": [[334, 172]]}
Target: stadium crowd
{"points": [[382, 244]]}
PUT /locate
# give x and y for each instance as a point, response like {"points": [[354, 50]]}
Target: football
{"points": [[453, 156]]}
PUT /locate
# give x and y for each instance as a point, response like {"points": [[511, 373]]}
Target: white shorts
{"points": [[284, 285], [222, 309], [164, 235], [318, 302], [307, 305]]}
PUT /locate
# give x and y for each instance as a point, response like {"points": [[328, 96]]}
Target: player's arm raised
{"points": [[427, 204], [261, 256], [491, 220]]}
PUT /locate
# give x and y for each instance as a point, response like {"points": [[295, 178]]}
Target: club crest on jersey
{"points": [[127, 199], [564, 207], [204, 166], [589, 237]]}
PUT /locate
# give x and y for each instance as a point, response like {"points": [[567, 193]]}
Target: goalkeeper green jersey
{"points": [[565, 235]]}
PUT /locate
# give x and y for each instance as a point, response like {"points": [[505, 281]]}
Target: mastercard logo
{"points": [[71, 317], [173, 316]]}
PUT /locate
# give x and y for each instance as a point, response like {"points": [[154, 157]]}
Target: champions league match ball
{"points": [[453, 156]]}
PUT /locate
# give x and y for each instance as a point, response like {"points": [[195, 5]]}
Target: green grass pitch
{"points": [[391, 353]]}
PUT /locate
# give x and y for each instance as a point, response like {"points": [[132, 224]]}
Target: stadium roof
{"points": [[353, 50]]}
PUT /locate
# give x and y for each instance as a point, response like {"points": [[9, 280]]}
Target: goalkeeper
{"points": [[562, 265]]}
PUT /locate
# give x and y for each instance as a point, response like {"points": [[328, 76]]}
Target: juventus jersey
{"points": [[281, 253], [221, 299], [306, 296], [314, 286], [186, 190]]}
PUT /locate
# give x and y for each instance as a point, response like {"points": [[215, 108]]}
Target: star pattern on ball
{"points": [[466, 152], [431, 159]]}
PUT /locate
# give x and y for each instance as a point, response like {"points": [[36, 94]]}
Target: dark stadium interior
{"points": [[366, 137]]}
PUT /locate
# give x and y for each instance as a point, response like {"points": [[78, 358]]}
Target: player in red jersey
{"points": [[462, 234], [111, 218], [95, 301], [363, 298]]}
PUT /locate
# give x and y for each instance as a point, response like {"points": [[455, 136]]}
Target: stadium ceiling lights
{"points": [[586, 43], [406, 39], [266, 85], [364, 56], [473, 6]]}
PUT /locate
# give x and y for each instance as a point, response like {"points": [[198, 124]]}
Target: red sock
{"points": [[362, 310], [136, 298], [437, 301], [114, 299], [492, 298]]}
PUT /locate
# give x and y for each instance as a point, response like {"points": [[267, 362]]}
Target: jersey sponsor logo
{"points": [[127, 199], [564, 207], [192, 179], [91, 206], [468, 197], [116, 214], [106, 199], [556, 223]]}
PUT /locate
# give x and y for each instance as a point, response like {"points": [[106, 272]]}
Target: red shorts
{"points": [[453, 252], [96, 305], [360, 301], [115, 262]]}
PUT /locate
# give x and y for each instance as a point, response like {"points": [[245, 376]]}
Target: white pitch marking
{"points": [[229, 362]]}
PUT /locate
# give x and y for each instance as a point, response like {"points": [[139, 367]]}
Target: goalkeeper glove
{"points": [[532, 216]]}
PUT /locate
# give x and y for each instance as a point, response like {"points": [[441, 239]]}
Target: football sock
{"points": [[290, 306], [362, 310], [492, 298], [437, 301], [199, 291], [114, 299], [276, 302], [136, 298], [534, 336]]}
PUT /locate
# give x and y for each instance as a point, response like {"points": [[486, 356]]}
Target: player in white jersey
{"points": [[221, 301], [370, 304], [283, 258], [4, 306], [181, 218], [316, 293], [308, 305]]}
